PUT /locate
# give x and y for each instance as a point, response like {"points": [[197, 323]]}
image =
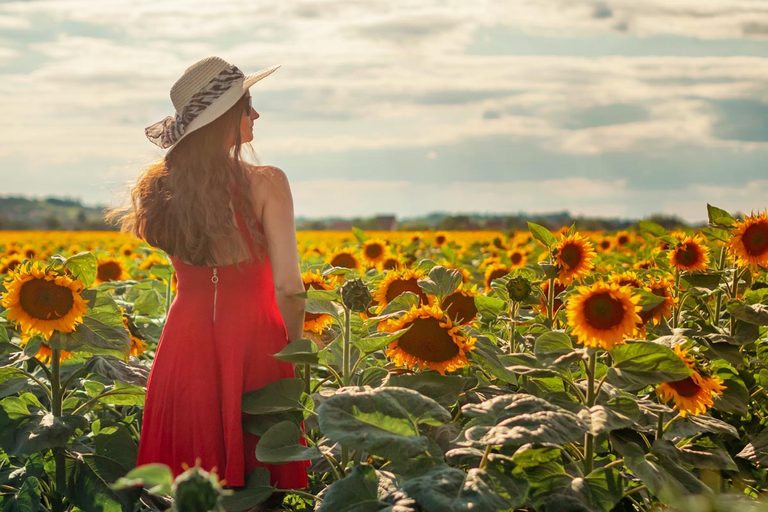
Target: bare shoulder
{"points": [[268, 181]]}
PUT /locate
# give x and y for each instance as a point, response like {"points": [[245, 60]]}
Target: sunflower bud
{"points": [[196, 490], [355, 295], [519, 288]]}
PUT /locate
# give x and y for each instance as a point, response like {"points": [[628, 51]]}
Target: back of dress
{"points": [[217, 343]]}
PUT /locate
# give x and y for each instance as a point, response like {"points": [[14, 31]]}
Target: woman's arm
{"points": [[280, 230]]}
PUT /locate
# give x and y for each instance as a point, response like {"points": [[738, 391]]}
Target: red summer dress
{"points": [[216, 344]]}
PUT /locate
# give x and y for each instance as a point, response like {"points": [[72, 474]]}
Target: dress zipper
{"points": [[215, 281]]}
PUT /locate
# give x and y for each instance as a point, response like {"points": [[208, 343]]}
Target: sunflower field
{"points": [[451, 371]]}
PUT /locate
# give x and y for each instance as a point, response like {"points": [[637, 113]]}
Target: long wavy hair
{"points": [[180, 204]]}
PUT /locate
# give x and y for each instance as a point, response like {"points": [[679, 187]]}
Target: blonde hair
{"points": [[180, 204]]}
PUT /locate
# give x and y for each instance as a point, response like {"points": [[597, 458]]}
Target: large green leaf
{"points": [[357, 492], [256, 490], [719, 217], [298, 351], [46, 431], [756, 450], [444, 389], [25, 499], [756, 314], [119, 370], [641, 363], [488, 356], [542, 234], [448, 489], [280, 444], [552, 344], [378, 340], [102, 330], [441, 281], [280, 395], [83, 266], [382, 421], [517, 419]]}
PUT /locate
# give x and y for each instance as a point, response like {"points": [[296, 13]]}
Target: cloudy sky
{"points": [[610, 108]]}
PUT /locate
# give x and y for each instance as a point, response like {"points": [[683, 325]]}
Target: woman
{"points": [[228, 228]]}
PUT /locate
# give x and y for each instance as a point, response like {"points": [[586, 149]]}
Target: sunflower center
{"points": [[45, 300], [516, 258], [685, 387], [460, 307], [688, 254], [399, 286], [602, 311], [428, 341], [571, 255], [109, 271], [755, 239], [344, 260], [374, 250]]}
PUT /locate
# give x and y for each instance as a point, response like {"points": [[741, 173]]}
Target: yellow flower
{"points": [[397, 282], [375, 251], [749, 241], [601, 315], [693, 394], [344, 258], [43, 300], [495, 271], [459, 305], [432, 341], [690, 253], [316, 322], [517, 258], [574, 257], [663, 288], [110, 269], [626, 279]]}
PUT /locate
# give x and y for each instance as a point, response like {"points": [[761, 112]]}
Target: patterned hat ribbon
{"points": [[167, 132]]}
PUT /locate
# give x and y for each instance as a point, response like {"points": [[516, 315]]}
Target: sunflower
{"points": [[495, 271], [126, 250], [749, 241], [42, 300], [10, 262], [626, 279], [432, 341], [602, 314], [663, 288], [574, 257], [344, 258], [110, 269], [693, 394], [374, 251], [690, 253], [441, 237], [517, 258], [138, 346], [622, 238], [459, 305], [44, 352], [316, 322], [397, 282], [391, 263], [29, 251], [605, 243], [153, 259]]}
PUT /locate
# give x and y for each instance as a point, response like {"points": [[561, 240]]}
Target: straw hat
{"points": [[204, 92]]}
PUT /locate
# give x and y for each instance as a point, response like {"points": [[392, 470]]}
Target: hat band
{"points": [[167, 132]]}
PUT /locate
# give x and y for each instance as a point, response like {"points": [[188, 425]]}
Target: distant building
{"points": [[385, 222], [340, 225]]}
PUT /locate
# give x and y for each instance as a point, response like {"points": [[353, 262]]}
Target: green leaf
{"points": [[443, 389], [707, 280], [313, 293], [756, 314], [124, 394], [756, 450], [648, 300], [381, 421], [378, 341], [444, 488], [517, 419], [642, 363], [552, 344], [319, 306], [487, 355], [602, 419], [359, 234], [157, 478], [542, 234], [257, 489], [46, 431], [149, 302], [719, 217], [403, 302], [356, 492], [83, 266], [651, 227], [102, 331], [298, 351], [119, 370], [280, 395], [280, 444], [489, 307], [441, 282]]}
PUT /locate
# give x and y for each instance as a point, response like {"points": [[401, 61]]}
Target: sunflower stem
{"points": [[737, 273], [513, 326], [551, 302], [588, 437], [678, 305], [660, 426], [347, 352], [58, 452], [719, 293], [484, 460]]}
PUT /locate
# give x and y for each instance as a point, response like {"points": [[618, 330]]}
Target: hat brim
{"points": [[225, 102]]}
